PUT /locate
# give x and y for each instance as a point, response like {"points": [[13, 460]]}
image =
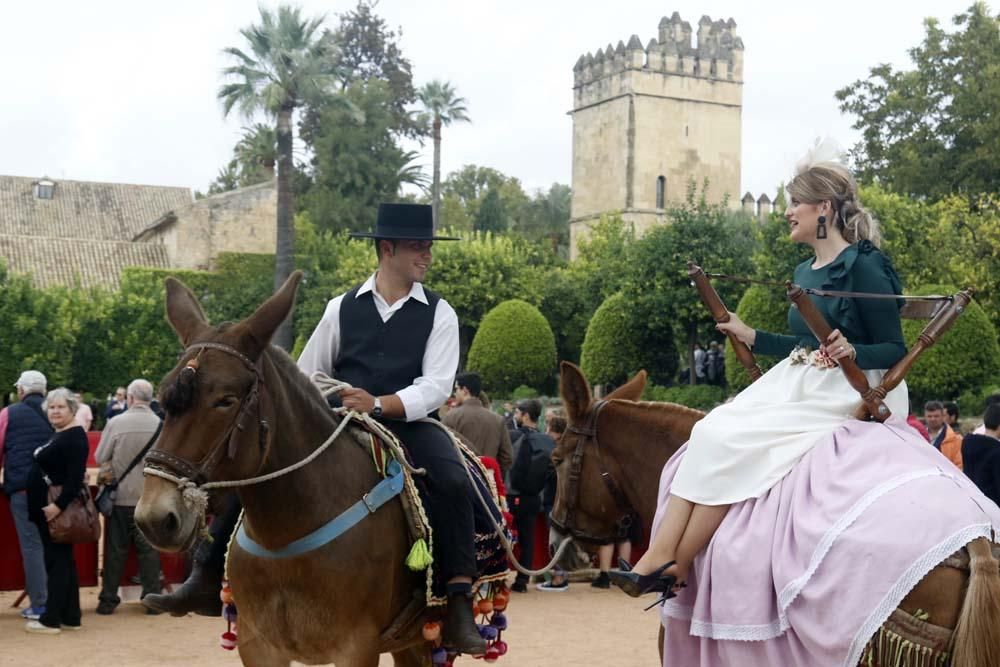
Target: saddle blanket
{"points": [[807, 572]]}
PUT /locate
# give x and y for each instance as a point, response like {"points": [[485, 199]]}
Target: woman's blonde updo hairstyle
{"points": [[819, 178]]}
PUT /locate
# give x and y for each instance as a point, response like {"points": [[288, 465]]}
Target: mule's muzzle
{"points": [[162, 517]]}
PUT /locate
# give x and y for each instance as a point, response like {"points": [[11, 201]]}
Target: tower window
{"points": [[661, 191], [44, 189]]}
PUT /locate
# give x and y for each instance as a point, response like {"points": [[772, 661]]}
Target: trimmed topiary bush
{"points": [[513, 346], [699, 396], [610, 352], [966, 359], [762, 308]]}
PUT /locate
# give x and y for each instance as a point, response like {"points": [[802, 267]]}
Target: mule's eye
{"points": [[225, 402]]}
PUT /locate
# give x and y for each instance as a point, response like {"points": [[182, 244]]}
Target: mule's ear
{"points": [[257, 330], [631, 390], [184, 312], [574, 390]]}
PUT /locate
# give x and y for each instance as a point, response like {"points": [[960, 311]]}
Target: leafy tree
{"points": [[469, 186], [931, 131], [289, 62], [357, 160], [610, 353], [513, 346], [547, 216], [713, 237], [966, 358], [491, 216], [369, 51], [444, 106]]}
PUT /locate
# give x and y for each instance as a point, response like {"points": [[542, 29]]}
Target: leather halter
{"points": [[623, 524], [200, 472]]}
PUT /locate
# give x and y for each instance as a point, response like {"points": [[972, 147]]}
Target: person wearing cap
{"points": [[396, 343], [23, 429]]}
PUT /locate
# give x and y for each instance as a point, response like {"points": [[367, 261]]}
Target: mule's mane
{"points": [[298, 388], [658, 409]]}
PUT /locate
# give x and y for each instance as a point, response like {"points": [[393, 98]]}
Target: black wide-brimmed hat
{"points": [[408, 222]]}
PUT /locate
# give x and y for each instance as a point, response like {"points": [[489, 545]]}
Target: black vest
{"points": [[27, 430], [383, 357]]}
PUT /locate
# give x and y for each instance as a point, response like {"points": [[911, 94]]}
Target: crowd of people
{"points": [[43, 447]]}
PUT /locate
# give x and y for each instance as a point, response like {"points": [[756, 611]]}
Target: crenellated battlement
{"points": [[718, 53]]}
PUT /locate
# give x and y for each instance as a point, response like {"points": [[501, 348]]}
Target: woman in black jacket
{"points": [[61, 461]]}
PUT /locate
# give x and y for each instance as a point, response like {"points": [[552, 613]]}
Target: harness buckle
{"points": [[371, 507]]}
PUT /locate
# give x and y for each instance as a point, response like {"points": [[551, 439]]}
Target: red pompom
{"points": [[228, 641]]}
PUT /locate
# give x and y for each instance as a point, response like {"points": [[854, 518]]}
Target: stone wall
{"points": [[238, 221]]}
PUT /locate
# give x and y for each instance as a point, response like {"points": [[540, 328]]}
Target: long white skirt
{"points": [[744, 447]]}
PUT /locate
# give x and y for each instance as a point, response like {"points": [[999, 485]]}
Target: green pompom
{"points": [[420, 556]]}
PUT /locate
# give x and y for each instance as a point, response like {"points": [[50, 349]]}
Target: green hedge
{"points": [[610, 353], [761, 308], [699, 396], [965, 360], [513, 346]]}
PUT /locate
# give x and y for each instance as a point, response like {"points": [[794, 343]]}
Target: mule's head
{"points": [[216, 422], [584, 507]]}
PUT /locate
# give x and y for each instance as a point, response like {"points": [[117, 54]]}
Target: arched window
{"points": [[661, 191]]}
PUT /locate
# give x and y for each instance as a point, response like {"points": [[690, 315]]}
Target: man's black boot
{"points": [[199, 594], [460, 631]]}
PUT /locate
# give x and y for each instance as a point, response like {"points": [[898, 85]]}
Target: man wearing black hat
{"points": [[396, 344]]}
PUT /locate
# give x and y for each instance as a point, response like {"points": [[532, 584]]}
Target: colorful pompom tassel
{"points": [[420, 556]]}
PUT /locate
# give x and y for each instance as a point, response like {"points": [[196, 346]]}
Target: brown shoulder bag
{"points": [[78, 522]]}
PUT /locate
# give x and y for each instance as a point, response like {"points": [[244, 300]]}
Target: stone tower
{"points": [[647, 120]]}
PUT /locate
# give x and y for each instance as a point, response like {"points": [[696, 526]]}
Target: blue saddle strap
{"points": [[384, 491]]}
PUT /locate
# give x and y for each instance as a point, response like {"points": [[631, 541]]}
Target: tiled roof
{"points": [[52, 261], [84, 209]]}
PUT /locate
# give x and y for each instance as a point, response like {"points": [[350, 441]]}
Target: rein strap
{"points": [[831, 293]]}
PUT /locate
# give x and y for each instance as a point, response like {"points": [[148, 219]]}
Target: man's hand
{"points": [[357, 399]]}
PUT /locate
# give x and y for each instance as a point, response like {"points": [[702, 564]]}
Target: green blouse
{"points": [[872, 326]]}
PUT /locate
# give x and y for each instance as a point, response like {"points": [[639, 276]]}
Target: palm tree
{"points": [[290, 62], [445, 107], [256, 150]]}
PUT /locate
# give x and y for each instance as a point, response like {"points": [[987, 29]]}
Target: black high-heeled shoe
{"points": [[635, 584]]}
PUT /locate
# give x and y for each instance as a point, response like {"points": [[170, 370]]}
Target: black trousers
{"points": [[449, 499], [449, 495], [63, 604], [122, 531], [526, 513]]}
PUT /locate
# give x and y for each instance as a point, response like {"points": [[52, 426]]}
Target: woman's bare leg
{"points": [[704, 521], [663, 549]]}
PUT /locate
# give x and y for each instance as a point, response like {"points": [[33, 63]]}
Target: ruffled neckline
{"points": [[838, 269]]}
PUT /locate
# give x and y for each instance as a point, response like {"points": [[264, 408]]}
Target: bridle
{"points": [[199, 473], [565, 525]]}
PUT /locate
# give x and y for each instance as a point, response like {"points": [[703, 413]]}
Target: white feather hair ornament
{"points": [[823, 151]]}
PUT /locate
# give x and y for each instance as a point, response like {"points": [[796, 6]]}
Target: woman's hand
{"points": [[736, 327], [837, 348], [51, 511]]}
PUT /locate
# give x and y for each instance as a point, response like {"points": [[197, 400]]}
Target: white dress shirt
{"points": [[429, 391]]}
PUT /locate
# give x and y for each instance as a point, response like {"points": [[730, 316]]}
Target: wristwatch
{"points": [[377, 410]]}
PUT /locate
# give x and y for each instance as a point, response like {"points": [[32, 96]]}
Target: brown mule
{"points": [[233, 418], [636, 440]]}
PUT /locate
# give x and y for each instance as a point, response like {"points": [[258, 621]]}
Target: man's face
{"points": [[120, 395], [461, 394], [935, 419], [409, 260]]}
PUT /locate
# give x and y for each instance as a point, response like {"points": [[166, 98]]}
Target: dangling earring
{"points": [[821, 227]]}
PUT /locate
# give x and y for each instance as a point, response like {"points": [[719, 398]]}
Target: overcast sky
{"points": [[124, 91]]}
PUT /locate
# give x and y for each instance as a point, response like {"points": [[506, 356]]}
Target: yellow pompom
{"points": [[420, 556]]}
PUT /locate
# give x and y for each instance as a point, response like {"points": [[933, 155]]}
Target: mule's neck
{"points": [[291, 506], [641, 438]]}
